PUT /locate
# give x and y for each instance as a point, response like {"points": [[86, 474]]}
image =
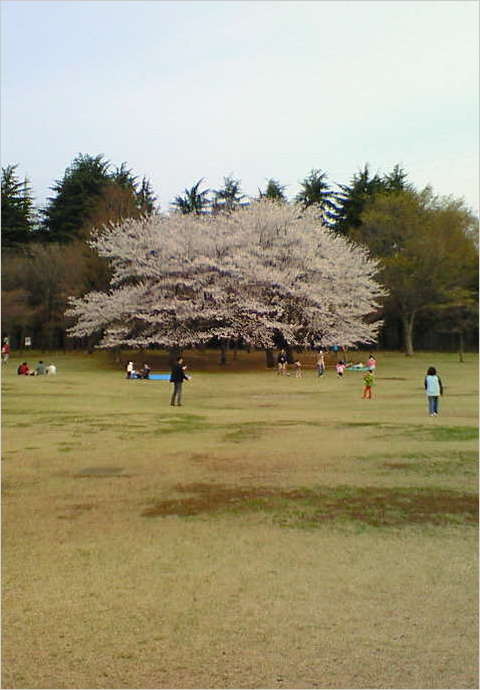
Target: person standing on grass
{"points": [[5, 351], [177, 377], [368, 381], [434, 389], [282, 363], [320, 364], [340, 367], [129, 370], [298, 369]]}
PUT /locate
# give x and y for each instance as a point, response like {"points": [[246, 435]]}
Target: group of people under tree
{"points": [[143, 373]]}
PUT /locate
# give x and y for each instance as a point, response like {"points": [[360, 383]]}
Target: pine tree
{"points": [[353, 198], [146, 197], [274, 190], [75, 197], [18, 215], [315, 190], [192, 201], [229, 197]]}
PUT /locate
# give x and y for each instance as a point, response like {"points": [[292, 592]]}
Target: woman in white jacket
{"points": [[434, 388]]}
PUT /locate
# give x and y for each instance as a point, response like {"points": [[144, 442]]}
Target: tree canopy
{"points": [[18, 216], [89, 183], [254, 274], [425, 247]]}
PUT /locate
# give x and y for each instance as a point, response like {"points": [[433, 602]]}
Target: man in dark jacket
{"points": [[177, 377]]}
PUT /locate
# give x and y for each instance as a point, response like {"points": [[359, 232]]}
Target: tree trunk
{"points": [[460, 347], [173, 354], [269, 358], [289, 353], [91, 344], [408, 321], [223, 351]]}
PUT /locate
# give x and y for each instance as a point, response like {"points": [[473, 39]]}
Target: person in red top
{"points": [[23, 369]]}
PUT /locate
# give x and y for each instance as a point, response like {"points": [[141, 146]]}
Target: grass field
{"points": [[272, 533]]}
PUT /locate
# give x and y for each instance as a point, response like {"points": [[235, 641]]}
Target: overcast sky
{"points": [[184, 90]]}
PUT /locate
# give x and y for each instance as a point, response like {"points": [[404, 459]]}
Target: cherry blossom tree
{"points": [[262, 273]]}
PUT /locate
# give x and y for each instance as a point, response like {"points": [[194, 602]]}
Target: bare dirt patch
{"points": [[378, 507]]}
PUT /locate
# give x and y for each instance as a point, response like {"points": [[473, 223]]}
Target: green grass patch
{"points": [[455, 433], [304, 507]]}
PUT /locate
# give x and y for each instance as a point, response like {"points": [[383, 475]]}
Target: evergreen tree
{"points": [[353, 198], [396, 181], [146, 197], [192, 201], [75, 197], [18, 216], [124, 177], [229, 197], [274, 191], [90, 194], [315, 190]]}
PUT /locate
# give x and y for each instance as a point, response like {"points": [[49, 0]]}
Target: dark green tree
{"points": [[18, 214], [124, 177], [274, 190], [146, 197], [353, 198], [91, 193], [228, 197], [75, 197], [315, 189], [192, 200], [396, 181]]}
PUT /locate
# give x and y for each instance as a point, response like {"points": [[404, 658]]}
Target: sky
{"points": [[254, 89]]}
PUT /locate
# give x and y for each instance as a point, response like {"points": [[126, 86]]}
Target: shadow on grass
{"points": [[378, 507]]}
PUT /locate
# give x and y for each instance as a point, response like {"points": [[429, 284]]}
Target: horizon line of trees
{"points": [[427, 245]]}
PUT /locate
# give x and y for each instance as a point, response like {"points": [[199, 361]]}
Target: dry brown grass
{"points": [[273, 533]]}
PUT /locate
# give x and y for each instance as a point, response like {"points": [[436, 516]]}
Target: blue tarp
{"points": [[159, 377]]}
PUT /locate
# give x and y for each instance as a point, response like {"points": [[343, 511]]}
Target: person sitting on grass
{"points": [[145, 373], [51, 369], [40, 370], [23, 369]]}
